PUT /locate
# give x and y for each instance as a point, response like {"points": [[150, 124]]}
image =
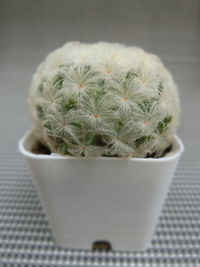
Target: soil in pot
{"points": [[39, 148]]}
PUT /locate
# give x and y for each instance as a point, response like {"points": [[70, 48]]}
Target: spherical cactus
{"points": [[104, 99]]}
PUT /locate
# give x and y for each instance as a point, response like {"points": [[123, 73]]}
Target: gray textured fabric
{"points": [[29, 30], [26, 240]]}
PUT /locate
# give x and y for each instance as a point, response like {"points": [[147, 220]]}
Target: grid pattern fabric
{"points": [[26, 240]]}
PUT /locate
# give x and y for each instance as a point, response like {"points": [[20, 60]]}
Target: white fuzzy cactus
{"points": [[104, 99]]}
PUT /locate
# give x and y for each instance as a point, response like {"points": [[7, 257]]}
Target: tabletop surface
{"points": [[31, 29]]}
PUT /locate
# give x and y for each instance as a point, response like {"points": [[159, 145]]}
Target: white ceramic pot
{"points": [[110, 199]]}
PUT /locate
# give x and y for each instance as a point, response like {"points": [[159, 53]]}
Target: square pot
{"points": [[106, 199]]}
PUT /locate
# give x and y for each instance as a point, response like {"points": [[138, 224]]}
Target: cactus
{"points": [[104, 99]]}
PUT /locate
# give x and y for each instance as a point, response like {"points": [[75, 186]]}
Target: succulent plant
{"points": [[104, 99]]}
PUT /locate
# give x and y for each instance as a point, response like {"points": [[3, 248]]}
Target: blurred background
{"points": [[31, 29]]}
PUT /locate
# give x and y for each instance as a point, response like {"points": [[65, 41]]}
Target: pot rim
{"points": [[179, 149]]}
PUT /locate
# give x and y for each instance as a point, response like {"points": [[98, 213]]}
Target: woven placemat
{"points": [[26, 240]]}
